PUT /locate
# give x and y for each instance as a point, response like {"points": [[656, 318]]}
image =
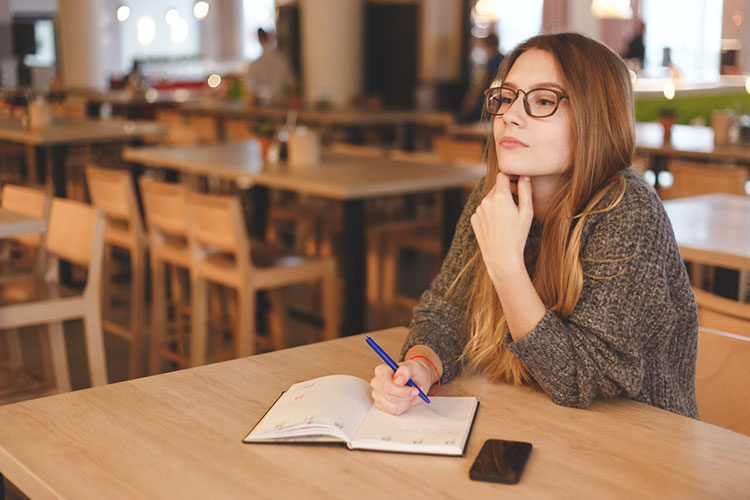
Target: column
{"points": [[331, 40], [80, 50], [222, 33], [7, 60]]}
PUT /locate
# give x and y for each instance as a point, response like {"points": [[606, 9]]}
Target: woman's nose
{"points": [[516, 114]]}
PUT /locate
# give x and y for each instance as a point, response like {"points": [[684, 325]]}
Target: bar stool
{"points": [[113, 192], [75, 233], [164, 205], [224, 255]]}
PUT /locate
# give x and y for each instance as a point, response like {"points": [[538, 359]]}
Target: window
{"points": [[690, 29], [159, 30], [257, 14], [518, 21]]}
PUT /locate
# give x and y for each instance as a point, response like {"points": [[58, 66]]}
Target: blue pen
{"points": [[394, 366]]}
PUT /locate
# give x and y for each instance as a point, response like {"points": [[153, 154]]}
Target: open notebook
{"points": [[338, 408]]}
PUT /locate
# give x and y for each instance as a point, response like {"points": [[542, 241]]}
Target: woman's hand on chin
{"points": [[502, 227]]}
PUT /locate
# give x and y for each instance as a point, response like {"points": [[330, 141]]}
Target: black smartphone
{"points": [[500, 461]]}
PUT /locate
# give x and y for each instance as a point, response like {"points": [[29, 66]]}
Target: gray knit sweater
{"points": [[634, 334]]}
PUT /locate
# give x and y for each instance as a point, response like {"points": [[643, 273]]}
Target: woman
{"points": [[564, 270]]}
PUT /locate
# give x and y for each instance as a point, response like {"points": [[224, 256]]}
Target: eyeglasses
{"points": [[538, 103]]}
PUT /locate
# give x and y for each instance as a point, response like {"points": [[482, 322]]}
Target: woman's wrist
{"points": [[429, 359]]}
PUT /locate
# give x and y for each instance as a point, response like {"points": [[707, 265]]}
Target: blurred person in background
{"points": [[270, 79], [471, 107]]}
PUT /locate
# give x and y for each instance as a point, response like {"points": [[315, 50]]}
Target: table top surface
{"points": [[178, 435], [150, 97], [714, 224], [15, 224], [338, 176], [333, 116], [69, 131]]}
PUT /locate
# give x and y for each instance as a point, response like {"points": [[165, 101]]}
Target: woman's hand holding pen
{"points": [[502, 228], [389, 390]]}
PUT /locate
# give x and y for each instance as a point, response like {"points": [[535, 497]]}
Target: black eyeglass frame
{"points": [[492, 90]]}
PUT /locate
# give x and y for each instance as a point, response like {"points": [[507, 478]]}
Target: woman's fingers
{"points": [[525, 205]]}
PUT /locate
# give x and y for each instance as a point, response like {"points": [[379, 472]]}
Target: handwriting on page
{"points": [[443, 422], [335, 401]]}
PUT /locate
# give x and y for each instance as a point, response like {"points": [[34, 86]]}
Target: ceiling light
{"points": [[200, 10], [123, 13]]}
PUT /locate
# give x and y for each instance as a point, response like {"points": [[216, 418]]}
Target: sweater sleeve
{"points": [[624, 313], [438, 319]]}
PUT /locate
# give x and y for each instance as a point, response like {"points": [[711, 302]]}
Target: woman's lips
{"points": [[511, 143]]}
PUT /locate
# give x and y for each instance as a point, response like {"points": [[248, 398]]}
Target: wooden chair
{"points": [[224, 255], [722, 314], [112, 191], [206, 127], [356, 149], [721, 379], [75, 233], [237, 130], [694, 178], [459, 152], [165, 207], [178, 132], [33, 203]]}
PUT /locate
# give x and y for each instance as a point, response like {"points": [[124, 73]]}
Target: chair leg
{"points": [[95, 343], [246, 324], [330, 302], [107, 273], [390, 262], [277, 320], [13, 341], [199, 328], [137, 298], [59, 356], [158, 315], [374, 278]]}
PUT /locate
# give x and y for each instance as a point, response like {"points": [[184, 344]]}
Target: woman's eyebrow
{"points": [[546, 85]]}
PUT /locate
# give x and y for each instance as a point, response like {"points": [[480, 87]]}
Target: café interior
{"points": [[188, 182]]}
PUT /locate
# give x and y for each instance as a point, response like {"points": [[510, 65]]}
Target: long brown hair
{"points": [[601, 99]]}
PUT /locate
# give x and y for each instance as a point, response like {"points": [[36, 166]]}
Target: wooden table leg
{"points": [[452, 208], [353, 267]]}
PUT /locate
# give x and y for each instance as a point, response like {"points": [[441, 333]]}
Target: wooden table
{"points": [[138, 106], [15, 224], [348, 179], [48, 147], [403, 120], [178, 435], [714, 229]]}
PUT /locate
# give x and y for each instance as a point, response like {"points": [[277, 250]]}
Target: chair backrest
{"points": [[459, 152], [29, 202], [71, 231], [722, 314], [356, 149], [721, 379], [416, 156], [165, 206], [693, 179], [112, 191], [216, 222], [237, 130], [206, 128]]}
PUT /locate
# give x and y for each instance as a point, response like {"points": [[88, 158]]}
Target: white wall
{"points": [[440, 41], [332, 41], [33, 6], [581, 19]]}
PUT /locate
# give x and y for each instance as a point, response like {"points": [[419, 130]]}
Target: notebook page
{"points": [[440, 428], [332, 405]]}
